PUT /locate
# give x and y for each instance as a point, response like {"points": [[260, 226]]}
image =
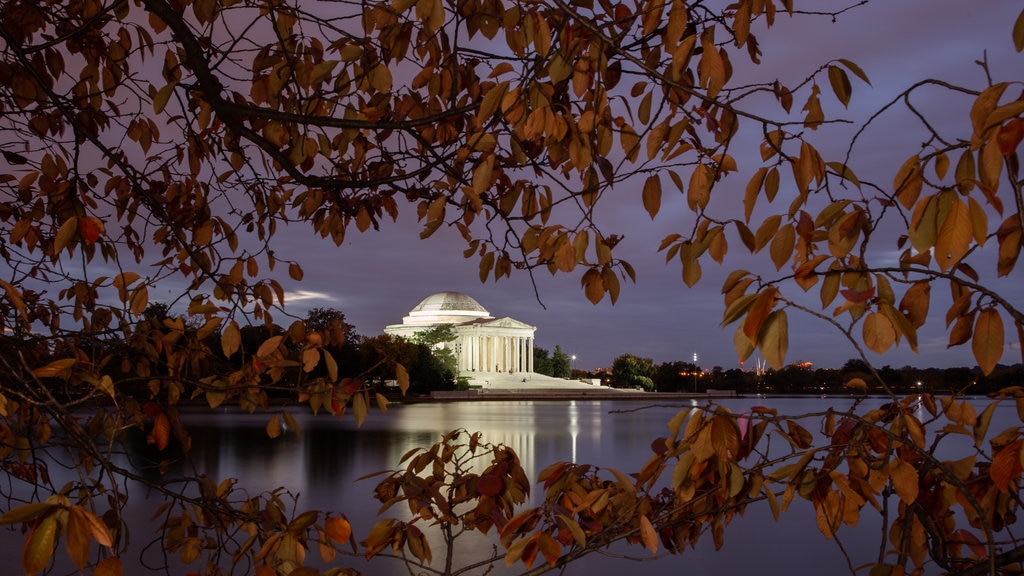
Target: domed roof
{"points": [[449, 302], [446, 308]]}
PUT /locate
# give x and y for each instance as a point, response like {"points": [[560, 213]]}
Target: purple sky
{"points": [[376, 278]]}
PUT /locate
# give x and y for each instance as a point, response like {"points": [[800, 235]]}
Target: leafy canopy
{"points": [[152, 143]]}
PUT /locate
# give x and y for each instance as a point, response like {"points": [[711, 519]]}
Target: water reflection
{"points": [[323, 466]]}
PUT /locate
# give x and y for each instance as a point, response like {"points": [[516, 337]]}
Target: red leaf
{"points": [[490, 485], [1010, 135], [858, 297], [89, 229]]}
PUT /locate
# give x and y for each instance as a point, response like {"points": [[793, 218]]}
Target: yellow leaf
{"points": [[310, 358], [65, 235], [274, 426], [782, 246], [162, 96], [402, 376], [57, 368], [38, 548], [230, 339], [269, 346], [380, 78], [773, 341], [140, 300], [292, 423], [904, 480], [987, 343], [15, 296], [360, 408], [648, 535], [954, 237]]}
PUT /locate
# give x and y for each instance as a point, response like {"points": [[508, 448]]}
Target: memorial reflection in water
{"points": [[323, 464]]}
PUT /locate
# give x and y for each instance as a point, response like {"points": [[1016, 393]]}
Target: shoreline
{"points": [[564, 394]]}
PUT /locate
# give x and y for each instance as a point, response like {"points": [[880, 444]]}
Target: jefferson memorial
{"points": [[483, 344]]}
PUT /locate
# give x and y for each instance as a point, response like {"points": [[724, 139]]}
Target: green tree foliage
{"points": [[561, 364], [629, 371], [442, 357], [542, 362], [157, 144]]}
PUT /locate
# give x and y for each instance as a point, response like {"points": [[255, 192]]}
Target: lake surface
{"points": [[323, 466]]}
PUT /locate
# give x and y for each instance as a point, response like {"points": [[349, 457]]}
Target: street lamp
{"points": [[573, 365], [696, 359]]}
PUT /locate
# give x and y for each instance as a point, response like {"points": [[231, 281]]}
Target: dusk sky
{"points": [[377, 277]]}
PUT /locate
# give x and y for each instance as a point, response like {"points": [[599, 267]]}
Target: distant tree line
{"points": [[632, 371]]}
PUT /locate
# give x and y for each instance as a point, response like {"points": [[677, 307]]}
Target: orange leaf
{"points": [[904, 480], [758, 312], [1006, 465], [988, 339], [111, 567], [549, 547], [338, 529], [161, 434], [648, 535], [90, 229]]}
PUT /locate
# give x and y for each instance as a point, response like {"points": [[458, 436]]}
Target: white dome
{"points": [[446, 308]]}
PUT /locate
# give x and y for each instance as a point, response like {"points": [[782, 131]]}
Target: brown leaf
{"points": [[652, 195]]}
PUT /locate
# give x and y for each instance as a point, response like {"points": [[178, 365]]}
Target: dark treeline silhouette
{"points": [[630, 371]]}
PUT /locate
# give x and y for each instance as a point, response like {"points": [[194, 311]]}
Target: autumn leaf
{"points": [[338, 529], [161, 433], [1006, 465], [904, 480], [987, 343], [648, 535], [39, 546]]}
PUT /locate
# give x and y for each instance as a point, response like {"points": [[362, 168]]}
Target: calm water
{"points": [[324, 464]]}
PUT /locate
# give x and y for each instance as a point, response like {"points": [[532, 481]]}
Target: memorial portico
{"points": [[483, 344]]}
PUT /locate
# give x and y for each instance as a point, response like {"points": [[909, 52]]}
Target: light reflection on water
{"points": [[323, 466]]}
